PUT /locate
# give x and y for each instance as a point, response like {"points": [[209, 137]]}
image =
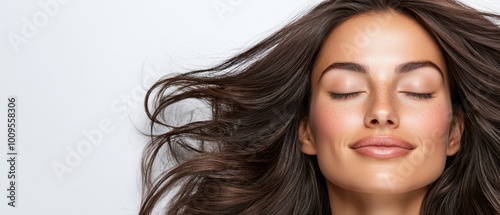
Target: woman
{"points": [[358, 107]]}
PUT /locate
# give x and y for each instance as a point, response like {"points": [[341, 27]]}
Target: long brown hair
{"points": [[244, 158]]}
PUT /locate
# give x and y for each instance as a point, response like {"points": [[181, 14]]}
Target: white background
{"points": [[87, 63]]}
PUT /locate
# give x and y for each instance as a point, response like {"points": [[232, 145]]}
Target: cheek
{"points": [[431, 130], [334, 127], [331, 124], [430, 125]]}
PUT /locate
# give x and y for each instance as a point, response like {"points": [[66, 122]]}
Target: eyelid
{"points": [[420, 95], [340, 96]]}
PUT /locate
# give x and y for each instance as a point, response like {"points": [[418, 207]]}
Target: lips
{"points": [[382, 147]]}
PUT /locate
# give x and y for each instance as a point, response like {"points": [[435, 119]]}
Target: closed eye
{"points": [[344, 95], [420, 95]]}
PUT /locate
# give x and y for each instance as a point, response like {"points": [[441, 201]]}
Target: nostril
{"points": [[375, 122]]}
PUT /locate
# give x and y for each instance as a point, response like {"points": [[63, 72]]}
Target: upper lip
{"points": [[381, 141]]}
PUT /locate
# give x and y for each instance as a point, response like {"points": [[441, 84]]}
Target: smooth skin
{"points": [[380, 75]]}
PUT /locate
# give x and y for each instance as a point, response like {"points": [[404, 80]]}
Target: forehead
{"points": [[378, 40]]}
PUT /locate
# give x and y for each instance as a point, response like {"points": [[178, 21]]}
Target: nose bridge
{"points": [[382, 109], [382, 102]]}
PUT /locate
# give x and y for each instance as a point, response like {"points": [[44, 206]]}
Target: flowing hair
{"points": [[245, 157]]}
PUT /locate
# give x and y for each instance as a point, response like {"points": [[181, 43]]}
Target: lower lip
{"points": [[382, 152]]}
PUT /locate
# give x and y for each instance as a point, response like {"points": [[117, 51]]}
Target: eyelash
{"points": [[420, 95], [343, 95], [354, 94]]}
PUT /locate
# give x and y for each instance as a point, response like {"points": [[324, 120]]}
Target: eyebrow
{"points": [[401, 68]]}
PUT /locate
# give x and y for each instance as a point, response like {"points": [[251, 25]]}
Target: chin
{"points": [[386, 183]]}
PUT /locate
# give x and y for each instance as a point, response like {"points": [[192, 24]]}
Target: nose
{"points": [[381, 112]]}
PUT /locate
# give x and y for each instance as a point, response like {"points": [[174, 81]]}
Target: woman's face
{"points": [[380, 116]]}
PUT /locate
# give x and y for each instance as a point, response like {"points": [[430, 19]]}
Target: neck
{"points": [[343, 201]]}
